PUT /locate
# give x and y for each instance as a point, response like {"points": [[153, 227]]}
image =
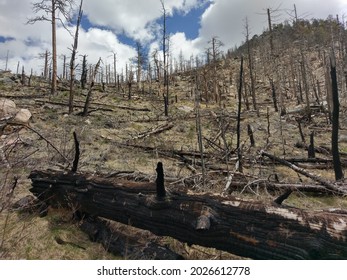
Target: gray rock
{"points": [[23, 116], [7, 107], [6, 80], [8, 110]]}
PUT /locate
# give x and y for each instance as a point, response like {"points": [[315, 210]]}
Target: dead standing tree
{"points": [[130, 80], [272, 59], [73, 56], [250, 67], [115, 69], [89, 95], [199, 127], [335, 121], [51, 9], [165, 60], [84, 72], [139, 61], [239, 152], [214, 53], [46, 56]]}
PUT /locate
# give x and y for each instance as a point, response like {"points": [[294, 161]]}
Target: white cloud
{"points": [[136, 18], [101, 43], [13, 17], [179, 43]]}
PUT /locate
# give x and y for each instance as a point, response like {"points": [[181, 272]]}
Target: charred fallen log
{"points": [[245, 228], [119, 243]]}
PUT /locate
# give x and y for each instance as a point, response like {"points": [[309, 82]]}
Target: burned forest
{"points": [[230, 155]]}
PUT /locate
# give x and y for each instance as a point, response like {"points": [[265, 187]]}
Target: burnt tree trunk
{"points": [[72, 61], [247, 228], [250, 134], [89, 94], [335, 122], [238, 129], [311, 150], [274, 95], [84, 72]]}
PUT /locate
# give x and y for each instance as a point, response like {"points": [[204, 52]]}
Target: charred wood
{"points": [[121, 243], [246, 228]]}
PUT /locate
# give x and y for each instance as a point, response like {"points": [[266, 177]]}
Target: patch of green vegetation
{"points": [[315, 202], [98, 118], [28, 251], [191, 132], [342, 149], [136, 126], [142, 160]]}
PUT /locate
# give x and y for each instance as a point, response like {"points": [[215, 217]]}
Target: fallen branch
{"points": [[302, 171], [272, 186], [321, 150], [42, 137], [94, 106], [168, 153], [154, 130], [28, 96]]}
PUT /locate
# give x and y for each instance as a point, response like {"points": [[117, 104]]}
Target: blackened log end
{"points": [[160, 181]]}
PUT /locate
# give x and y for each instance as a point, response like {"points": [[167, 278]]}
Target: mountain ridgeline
{"points": [[290, 60]]}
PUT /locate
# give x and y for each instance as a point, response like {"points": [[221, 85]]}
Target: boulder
{"points": [[9, 110], [23, 116], [7, 107], [6, 80]]}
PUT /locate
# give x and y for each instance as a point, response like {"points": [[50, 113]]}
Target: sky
{"points": [[114, 26]]}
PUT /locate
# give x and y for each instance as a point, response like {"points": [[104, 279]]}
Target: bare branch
{"points": [[38, 18]]}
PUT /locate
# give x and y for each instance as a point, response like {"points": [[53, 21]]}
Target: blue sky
{"points": [[5, 39], [115, 25], [188, 23]]}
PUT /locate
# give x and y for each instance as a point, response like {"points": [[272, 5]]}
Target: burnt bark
{"points": [[77, 153], [274, 95], [250, 134], [246, 228], [311, 150], [121, 243], [238, 129], [84, 72], [160, 181], [89, 94], [335, 123]]}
